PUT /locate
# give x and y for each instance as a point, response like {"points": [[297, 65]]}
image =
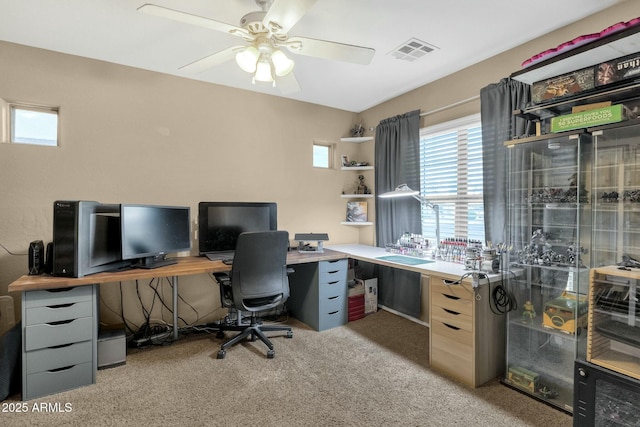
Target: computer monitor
{"points": [[150, 232], [220, 223]]}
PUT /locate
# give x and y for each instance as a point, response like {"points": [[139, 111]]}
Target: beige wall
{"points": [[129, 135], [133, 136]]}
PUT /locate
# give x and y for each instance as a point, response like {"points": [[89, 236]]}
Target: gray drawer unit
{"points": [[319, 294], [55, 381], [59, 340], [55, 297], [48, 359], [57, 334], [59, 312]]}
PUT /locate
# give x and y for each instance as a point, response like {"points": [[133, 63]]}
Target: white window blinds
{"points": [[451, 177]]}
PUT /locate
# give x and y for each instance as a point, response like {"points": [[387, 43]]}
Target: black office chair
{"points": [[258, 281]]}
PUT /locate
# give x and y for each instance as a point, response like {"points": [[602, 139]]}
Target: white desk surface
{"points": [[372, 254]]}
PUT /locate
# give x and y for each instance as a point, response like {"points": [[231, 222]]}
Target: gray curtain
{"points": [[497, 102], [397, 161]]}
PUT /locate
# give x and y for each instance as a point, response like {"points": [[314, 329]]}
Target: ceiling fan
{"points": [[265, 33]]}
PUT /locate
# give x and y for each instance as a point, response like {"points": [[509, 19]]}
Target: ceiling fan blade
{"points": [[286, 13], [187, 18], [330, 50], [287, 84], [210, 61]]}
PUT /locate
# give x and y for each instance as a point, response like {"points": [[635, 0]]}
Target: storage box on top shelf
{"points": [[563, 86], [618, 70]]}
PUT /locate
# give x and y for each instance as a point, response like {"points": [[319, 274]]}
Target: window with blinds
{"points": [[451, 177]]}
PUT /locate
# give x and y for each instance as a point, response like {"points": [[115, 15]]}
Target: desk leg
{"points": [[174, 282]]}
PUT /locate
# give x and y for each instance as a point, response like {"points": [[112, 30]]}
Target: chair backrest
{"points": [[259, 273]]}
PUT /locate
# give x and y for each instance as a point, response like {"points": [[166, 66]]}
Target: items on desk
{"points": [[410, 244], [303, 240]]}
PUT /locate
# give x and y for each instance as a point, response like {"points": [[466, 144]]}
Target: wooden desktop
{"points": [[60, 318]]}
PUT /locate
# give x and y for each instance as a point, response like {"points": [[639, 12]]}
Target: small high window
{"points": [[33, 125], [322, 155]]}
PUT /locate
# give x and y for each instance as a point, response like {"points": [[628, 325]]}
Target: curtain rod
{"points": [[446, 107]]}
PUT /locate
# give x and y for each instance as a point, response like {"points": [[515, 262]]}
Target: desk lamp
{"points": [[403, 190]]}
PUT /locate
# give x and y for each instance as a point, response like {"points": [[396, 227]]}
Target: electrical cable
{"points": [[12, 253], [124, 320], [503, 300]]}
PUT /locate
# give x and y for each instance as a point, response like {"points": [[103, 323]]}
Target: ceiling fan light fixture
{"points": [[247, 59], [263, 70], [281, 64]]}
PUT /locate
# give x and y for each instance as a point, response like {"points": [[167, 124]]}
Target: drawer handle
{"points": [[337, 296], [333, 283], [61, 346], [451, 297], [333, 312], [65, 368], [333, 272], [451, 326], [61, 289], [451, 311], [61, 305], [60, 322]]}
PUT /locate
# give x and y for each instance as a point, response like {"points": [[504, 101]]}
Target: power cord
{"points": [[503, 300]]}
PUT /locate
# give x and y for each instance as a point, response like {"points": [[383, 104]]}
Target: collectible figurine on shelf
{"points": [[528, 313], [357, 131], [362, 187], [547, 393]]}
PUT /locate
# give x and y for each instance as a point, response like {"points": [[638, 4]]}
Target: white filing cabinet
{"points": [[59, 336], [319, 294]]}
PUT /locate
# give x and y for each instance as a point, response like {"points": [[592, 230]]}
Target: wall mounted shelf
{"points": [[356, 224], [357, 168], [604, 49], [357, 139]]}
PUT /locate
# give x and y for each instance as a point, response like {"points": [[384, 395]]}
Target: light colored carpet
{"points": [[373, 371]]}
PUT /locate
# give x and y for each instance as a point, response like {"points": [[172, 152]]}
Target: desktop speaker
{"points": [[36, 257]]}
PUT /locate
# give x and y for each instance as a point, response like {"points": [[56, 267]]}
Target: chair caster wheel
{"points": [[220, 334], [271, 354], [221, 354], [289, 334]]}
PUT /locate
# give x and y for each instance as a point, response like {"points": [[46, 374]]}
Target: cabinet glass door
{"points": [[616, 194], [549, 237]]}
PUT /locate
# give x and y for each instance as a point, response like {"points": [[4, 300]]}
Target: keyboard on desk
{"points": [[225, 257]]}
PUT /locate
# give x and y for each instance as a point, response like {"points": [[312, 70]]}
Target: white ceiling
{"points": [[464, 31]]}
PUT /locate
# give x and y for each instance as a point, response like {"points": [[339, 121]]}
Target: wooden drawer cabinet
{"points": [[466, 339], [59, 340], [318, 294], [613, 331]]}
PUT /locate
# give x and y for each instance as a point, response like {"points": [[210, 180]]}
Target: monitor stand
{"points": [[155, 262]]}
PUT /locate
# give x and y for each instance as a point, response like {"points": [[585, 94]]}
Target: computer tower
{"points": [[86, 238]]}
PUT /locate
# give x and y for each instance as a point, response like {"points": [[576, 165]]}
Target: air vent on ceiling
{"points": [[412, 50]]}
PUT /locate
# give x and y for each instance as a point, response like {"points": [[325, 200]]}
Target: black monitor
{"points": [[150, 232], [220, 223]]}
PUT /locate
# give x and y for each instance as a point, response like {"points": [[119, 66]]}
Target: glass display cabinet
{"points": [[616, 194], [547, 274]]}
